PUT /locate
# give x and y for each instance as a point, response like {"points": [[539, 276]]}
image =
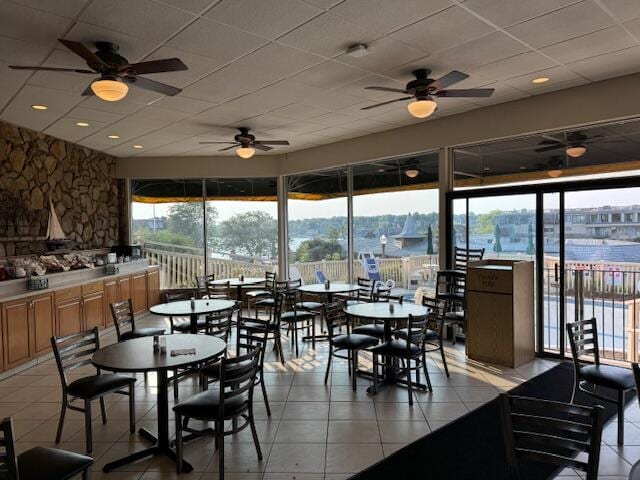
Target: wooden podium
{"points": [[500, 312]]}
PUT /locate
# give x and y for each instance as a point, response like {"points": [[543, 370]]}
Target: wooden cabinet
{"points": [[93, 310], [139, 292], [69, 316], [153, 287], [124, 288], [111, 295], [27, 326], [80, 308]]}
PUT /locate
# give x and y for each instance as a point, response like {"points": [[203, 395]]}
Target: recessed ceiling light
{"points": [[358, 51], [82, 124], [137, 146], [39, 107], [540, 80], [114, 136], [486, 169], [523, 168]]}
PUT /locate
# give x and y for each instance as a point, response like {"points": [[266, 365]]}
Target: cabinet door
{"points": [[69, 316], [124, 288], [15, 332], [139, 296], [153, 287], [93, 310], [110, 296], [43, 324]]}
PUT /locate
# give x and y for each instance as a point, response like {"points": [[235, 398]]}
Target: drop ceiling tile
{"points": [[384, 53], [10, 82], [68, 8], [634, 27], [326, 4], [214, 90], [265, 66], [357, 88], [357, 112], [89, 115], [299, 111], [221, 115], [126, 106], [327, 35], [508, 13], [155, 113], [515, 66], [188, 127], [370, 126], [559, 74], [67, 129], [142, 18], [215, 40], [19, 52], [480, 51], [622, 62], [623, 9], [263, 122], [30, 25], [132, 48], [291, 130], [267, 18], [197, 67], [572, 21], [333, 119], [182, 103], [443, 30], [383, 16], [27, 117], [124, 150], [329, 75], [502, 93], [193, 6], [590, 45], [58, 101]]}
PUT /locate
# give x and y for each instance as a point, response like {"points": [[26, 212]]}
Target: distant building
{"points": [[409, 235]]}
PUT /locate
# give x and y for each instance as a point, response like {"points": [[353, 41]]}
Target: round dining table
{"points": [[382, 311], [183, 308], [320, 289], [137, 355], [238, 284]]}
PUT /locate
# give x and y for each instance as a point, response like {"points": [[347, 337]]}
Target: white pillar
{"points": [[283, 244]]}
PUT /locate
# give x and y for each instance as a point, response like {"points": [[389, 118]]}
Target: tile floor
{"points": [[311, 433]]}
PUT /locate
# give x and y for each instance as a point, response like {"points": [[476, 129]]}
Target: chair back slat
{"points": [[252, 334], [201, 283], [176, 296], [8, 461], [462, 256], [218, 324], [73, 351], [123, 317], [365, 292], [238, 375], [218, 289], [335, 318], [551, 432], [435, 317], [583, 339]]}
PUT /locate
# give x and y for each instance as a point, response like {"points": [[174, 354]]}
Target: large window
{"points": [[317, 225], [395, 220]]}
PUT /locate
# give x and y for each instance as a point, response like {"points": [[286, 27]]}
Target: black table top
{"points": [[137, 355], [381, 310], [635, 472], [334, 287], [183, 307]]}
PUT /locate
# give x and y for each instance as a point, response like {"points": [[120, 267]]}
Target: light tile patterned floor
{"points": [[315, 432]]}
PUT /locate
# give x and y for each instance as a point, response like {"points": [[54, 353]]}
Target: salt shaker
{"points": [[156, 343], [163, 345], [391, 307], [327, 284], [193, 303]]}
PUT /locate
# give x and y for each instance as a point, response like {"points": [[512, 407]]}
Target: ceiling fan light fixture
{"points": [[109, 89], [554, 173], [422, 107], [245, 152], [575, 151], [412, 172]]}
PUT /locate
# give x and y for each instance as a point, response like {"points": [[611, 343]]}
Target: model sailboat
{"points": [[56, 239]]}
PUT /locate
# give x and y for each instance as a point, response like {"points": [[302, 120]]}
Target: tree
{"points": [[485, 221], [252, 233], [319, 249], [497, 246], [187, 218], [531, 249], [429, 241]]}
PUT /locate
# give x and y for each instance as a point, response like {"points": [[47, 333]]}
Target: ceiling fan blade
{"points": [[604, 141], [156, 66], [152, 85], [228, 148], [51, 69], [218, 143], [549, 148], [259, 146], [449, 79], [88, 92], [271, 142], [79, 49], [551, 142], [386, 89], [385, 103], [470, 92]]}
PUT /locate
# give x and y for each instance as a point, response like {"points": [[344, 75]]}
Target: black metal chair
{"points": [[364, 294], [451, 287], [123, 317], [76, 350], [551, 432], [407, 351], [182, 324], [295, 318], [583, 338], [201, 284], [376, 328], [39, 463], [352, 343], [261, 293], [250, 333], [218, 290], [462, 257], [231, 400], [432, 340]]}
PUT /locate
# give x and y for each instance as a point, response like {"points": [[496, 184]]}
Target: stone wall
{"points": [[80, 182]]}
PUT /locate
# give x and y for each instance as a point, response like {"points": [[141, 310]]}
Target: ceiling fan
{"points": [[423, 89], [115, 71], [553, 166], [574, 144], [247, 144]]}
